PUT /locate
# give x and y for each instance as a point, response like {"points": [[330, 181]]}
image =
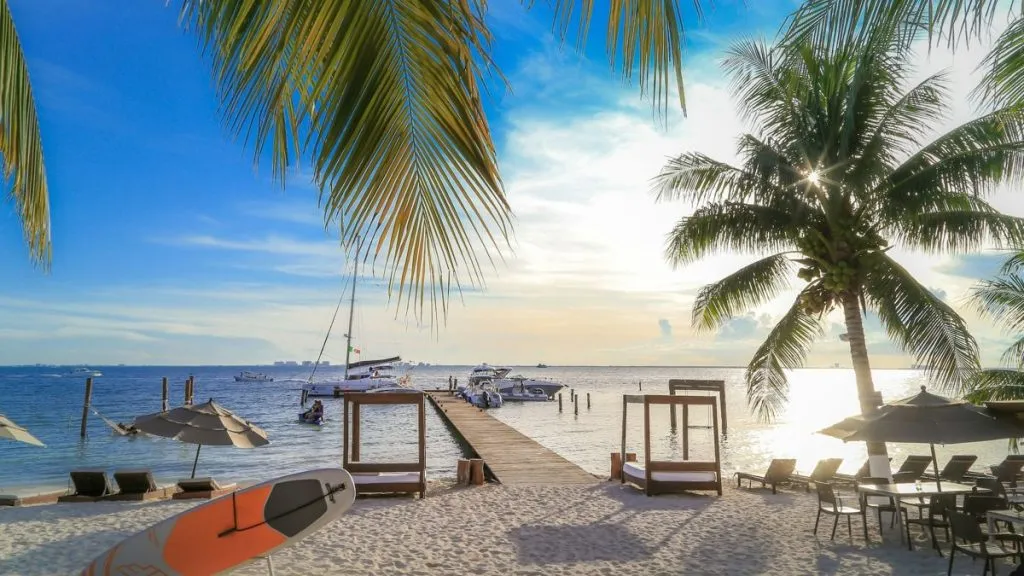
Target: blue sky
{"points": [[171, 248]]}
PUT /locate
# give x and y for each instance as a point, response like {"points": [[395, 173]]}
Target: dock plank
{"points": [[509, 455]]}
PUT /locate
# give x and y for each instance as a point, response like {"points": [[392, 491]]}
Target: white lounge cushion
{"points": [[387, 478], [636, 470]]}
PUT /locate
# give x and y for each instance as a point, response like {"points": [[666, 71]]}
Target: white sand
{"points": [[604, 529]]}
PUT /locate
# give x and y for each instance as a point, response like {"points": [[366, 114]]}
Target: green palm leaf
{"points": [[729, 227], [997, 384], [922, 324], [785, 348], [1002, 298], [746, 288], [964, 224], [21, 145]]}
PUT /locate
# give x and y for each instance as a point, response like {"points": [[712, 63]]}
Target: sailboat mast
{"points": [[352, 307]]}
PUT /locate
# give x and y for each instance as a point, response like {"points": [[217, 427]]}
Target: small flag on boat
{"points": [[354, 349]]}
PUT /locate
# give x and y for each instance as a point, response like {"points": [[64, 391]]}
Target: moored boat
{"points": [[247, 376]]}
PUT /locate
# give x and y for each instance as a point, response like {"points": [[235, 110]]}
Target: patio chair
{"points": [[90, 486], [879, 503], [968, 539], [779, 471], [977, 506], [823, 471], [830, 503], [938, 508]]}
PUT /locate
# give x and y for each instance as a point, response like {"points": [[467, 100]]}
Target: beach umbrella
{"points": [[210, 424], [926, 418], [12, 431]]}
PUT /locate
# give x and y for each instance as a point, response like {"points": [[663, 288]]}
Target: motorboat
{"points": [[522, 392], [83, 372], [499, 376], [483, 395], [247, 376], [311, 418], [542, 365]]}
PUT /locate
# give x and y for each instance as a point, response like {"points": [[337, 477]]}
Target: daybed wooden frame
{"points": [[715, 386], [648, 484], [350, 445]]}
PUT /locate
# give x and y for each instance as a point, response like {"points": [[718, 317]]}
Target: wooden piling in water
{"points": [[85, 405], [576, 405], [588, 400], [163, 395], [559, 402]]}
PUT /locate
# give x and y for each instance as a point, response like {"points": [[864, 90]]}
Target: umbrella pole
{"points": [[935, 466], [195, 463]]}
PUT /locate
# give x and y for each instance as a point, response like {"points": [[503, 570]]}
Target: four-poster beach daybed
{"points": [[384, 477], [664, 476]]}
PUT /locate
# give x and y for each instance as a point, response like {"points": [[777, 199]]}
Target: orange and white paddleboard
{"points": [[234, 529]]}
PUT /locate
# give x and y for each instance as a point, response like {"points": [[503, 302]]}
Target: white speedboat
{"points": [[483, 395], [247, 376], [499, 376], [523, 392], [83, 372]]}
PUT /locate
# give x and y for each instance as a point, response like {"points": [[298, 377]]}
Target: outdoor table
{"points": [[1012, 516], [917, 489]]}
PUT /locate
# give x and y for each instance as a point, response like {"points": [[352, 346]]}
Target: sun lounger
{"points": [[14, 500], [823, 471], [916, 465], [137, 485], [954, 470], [779, 471], [1007, 471], [202, 488], [90, 486], [863, 472]]}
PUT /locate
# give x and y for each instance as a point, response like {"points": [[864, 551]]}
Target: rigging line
{"points": [[329, 328]]}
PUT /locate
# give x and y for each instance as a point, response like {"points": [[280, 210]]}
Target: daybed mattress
{"points": [[636, 470], [387, 478]]}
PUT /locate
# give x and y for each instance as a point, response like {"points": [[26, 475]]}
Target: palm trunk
{"points": [[869, 400]]}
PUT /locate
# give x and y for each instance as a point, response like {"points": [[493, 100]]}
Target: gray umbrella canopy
{"points": [[210, 424], [926, 418], [11, 431]]}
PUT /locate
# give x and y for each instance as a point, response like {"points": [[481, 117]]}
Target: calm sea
{"points": [[49, 404]]}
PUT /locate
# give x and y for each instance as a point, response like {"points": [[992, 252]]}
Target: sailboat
{"points": [[361, 376]]}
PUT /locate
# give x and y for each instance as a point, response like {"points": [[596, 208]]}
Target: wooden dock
{"points": [[509, 456]]}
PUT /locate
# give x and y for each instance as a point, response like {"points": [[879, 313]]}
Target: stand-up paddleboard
{"points": [[233, 529]]}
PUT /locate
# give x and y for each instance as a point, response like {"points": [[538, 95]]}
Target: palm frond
{"points": [[1001, 298], [746, 288], [837, 22], [730, 227], [785, 348], [963, 224], [969, 160], [1013, 264], [998, 384], [922, 324], [699, 178], [641, 34], [384, 96], [1014, 354], [21, 145], [1003, 82]]}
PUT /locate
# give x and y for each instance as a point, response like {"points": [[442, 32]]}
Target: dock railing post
{"points": [[85, 405]]}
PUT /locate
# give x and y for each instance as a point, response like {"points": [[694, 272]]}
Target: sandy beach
{"points": [[601, 529]]}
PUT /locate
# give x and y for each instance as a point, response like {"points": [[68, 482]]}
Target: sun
{"points": [[814, 178]]}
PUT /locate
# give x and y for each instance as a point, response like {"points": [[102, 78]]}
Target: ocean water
{"points": [[50, 405]]}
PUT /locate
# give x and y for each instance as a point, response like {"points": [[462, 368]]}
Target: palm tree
{"points": [[1002, 298], [835, 174], [384, 98]]}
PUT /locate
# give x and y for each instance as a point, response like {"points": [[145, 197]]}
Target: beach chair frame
{"points": [[370, 477], [648, 483]]}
